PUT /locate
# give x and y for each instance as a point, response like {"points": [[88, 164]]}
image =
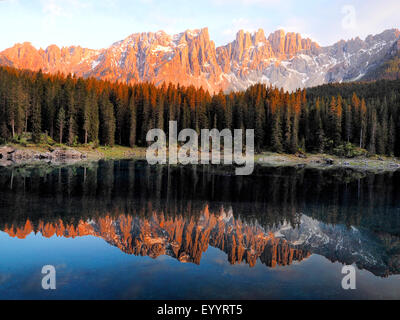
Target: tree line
{"points": [[74, 111], [269, 197]]}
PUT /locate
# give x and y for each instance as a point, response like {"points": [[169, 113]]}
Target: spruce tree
{"points": [[86, 119], [36, 123], [61, 124], [107, 121], [372, 133], [132, 122], [276, 134], [391, 137]]}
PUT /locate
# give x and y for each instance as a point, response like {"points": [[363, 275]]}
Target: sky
{"points": [[99, 23]]}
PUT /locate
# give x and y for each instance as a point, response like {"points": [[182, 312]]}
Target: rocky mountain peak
{"points": [[286, 45], [277, 40], [23, 56], [282, 59], [259, 37]]}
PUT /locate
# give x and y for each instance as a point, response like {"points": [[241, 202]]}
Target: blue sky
{"points": [[99, 23]]}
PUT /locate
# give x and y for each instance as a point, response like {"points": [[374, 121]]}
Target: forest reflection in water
{"points": [[276, 216]]}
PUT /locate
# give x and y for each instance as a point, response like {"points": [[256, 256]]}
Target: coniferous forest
{"points": [[332, 118]]}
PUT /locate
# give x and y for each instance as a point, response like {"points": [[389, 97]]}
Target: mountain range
{"points": [[280, 59]]}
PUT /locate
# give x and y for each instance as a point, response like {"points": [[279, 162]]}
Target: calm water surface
{"points": [[127, 230]]}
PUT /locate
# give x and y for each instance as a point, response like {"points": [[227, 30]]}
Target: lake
{"points": [[128, 230]]}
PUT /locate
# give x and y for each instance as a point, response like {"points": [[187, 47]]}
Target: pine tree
{"points": [[320, 136], [363, 123], [132, 122], [382, 140], [287, 128], [380, 146], [94, 119], [276, 134], [68, 103], [49, 108], [391, 137], [107, 120], [372, 132], [294, 141], [259, 115], [356, 118], [348, 122], [11, 115], [86, 119], [316, 139], [335, 118], [36, 123], [144, 114], [16, 109], [160, 114], [61, 124]]}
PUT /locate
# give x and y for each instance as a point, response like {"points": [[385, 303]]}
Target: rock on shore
{"points": [[10, 154]]}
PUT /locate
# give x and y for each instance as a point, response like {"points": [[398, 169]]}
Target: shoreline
{"points": [[327, 161], [15, 155]]}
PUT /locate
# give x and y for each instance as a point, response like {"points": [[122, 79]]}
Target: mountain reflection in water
{"points": [[127, 230], [187, 238], [278, 215], [179, 237]]}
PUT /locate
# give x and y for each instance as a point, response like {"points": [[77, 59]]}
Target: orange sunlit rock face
{"points": [[185, 239], [284, 60], [188, 58]]}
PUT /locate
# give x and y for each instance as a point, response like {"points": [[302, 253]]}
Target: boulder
{"points": [[22, 155], [7, 149], [45, 156], [8, 154], [61, 154], [5, 152], [329, 161]]}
